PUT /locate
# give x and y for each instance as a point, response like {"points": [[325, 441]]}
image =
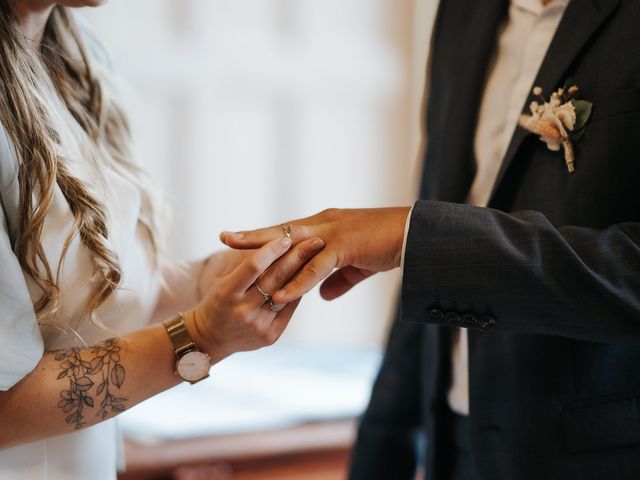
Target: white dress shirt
{"points": [[523, 41]]}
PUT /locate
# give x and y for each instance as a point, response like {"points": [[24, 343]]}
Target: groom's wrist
{"points": [[406, 236]]}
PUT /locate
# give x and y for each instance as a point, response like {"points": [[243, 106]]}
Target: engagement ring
{"points": [[267, 296]]}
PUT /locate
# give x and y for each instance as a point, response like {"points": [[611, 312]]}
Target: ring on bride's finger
{"points": [[267, 296], [274, 308], [287, 231]]}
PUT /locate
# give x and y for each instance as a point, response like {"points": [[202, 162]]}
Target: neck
{"points": [[33, 15], [545, 2]]}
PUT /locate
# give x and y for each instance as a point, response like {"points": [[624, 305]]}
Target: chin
{"points": [[81, 3]]}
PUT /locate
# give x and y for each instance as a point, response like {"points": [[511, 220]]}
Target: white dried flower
{"points": [[566, 113], [552, 121], [555, 100], [533, 106]]}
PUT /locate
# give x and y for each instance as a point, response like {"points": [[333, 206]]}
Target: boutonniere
{"points": [[560, 121]]}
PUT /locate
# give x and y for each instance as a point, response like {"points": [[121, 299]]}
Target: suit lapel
{"points": [[469, 48], [580, 21]]}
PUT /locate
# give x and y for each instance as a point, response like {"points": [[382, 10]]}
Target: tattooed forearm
{"points": [[92, 374]]}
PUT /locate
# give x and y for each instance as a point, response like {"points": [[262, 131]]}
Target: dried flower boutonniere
{"points": [[559, 121]]}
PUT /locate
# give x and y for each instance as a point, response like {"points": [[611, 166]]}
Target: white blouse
{"points": [[92, 452]]}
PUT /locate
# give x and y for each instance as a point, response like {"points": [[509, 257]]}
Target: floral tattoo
{"points": [[102, 371]]}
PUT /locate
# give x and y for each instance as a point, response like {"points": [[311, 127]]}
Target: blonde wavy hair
{"points": [[55, 106]]}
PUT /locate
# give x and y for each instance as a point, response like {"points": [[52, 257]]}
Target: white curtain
{"points": [[252, 112]]}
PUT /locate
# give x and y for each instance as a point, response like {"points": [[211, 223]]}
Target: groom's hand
{"points": [[359, 243]]}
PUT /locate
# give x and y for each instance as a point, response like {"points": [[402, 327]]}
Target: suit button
{"points": [[452, 317], [469, 319], [435, 314], [486, 321]]}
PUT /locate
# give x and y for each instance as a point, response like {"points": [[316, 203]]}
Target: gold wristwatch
{"points": [[192, 365]]}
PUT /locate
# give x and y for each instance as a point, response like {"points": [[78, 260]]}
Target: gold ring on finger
{"points": [[287, 231]]}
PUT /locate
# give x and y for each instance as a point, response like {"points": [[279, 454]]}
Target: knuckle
{"points": [[296, 285], [277, 247], [221, 293], [254, 328], [273, 251], [311, 270], [245, 315], [269, 337], [299, 231], [305, 252], [253, 265], [278, 275], [330, 212]]}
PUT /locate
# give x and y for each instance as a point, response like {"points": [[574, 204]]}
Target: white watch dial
{"points": [[193, 366]]}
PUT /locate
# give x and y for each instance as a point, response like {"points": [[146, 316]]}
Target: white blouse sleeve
{"points": [[21, 345]]}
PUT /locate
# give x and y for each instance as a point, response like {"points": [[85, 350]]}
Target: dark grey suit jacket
{"points": [[547, 279]]}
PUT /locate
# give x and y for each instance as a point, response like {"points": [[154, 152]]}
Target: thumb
{"points": [[343, 280]]}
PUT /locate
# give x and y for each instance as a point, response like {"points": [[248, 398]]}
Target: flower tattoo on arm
{"points": [[91, 380]]}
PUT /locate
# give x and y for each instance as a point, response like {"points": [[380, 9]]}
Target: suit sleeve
{"points": [[482, 268], [385, 447]]}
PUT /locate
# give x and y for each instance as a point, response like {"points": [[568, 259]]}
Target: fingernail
{"points": [[317, 244], [285, 242], [234, 235]]}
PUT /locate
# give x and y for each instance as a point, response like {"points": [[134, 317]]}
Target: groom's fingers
{"points": [[318, 268], [343, 280], [257, 238], [255, 264]]}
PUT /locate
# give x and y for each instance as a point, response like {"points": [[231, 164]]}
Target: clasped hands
{"points": [[358, 244], [337, 247]]}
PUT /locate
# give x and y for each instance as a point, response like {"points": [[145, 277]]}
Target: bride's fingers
{"points": [[254, 265], [257, 238], [316, 270], [286, 266], [343, 280]]}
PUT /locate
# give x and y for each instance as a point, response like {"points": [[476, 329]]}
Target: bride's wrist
{"points": [[195, 323]]}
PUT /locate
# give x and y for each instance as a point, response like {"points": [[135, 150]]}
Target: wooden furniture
{"points": [[313, 451]]}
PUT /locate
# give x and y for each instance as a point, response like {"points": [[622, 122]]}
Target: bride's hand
{"points": [[234, 316], [217, 265]]}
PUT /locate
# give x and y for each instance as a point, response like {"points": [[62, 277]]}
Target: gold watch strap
{"points": [[179, 336]]}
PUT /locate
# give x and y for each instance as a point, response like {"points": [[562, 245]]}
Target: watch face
{"points": [[193, 366]]}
